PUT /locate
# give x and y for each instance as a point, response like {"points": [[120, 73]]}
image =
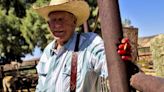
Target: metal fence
{"points": [[104, 85]]}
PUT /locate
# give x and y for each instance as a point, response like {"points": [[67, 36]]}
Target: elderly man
{"points": [[72, 61]]}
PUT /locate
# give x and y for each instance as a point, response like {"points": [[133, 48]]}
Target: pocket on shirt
{"points": [[41, 69], [67, 71]]}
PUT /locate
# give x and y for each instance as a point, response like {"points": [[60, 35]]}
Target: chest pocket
{"points": [[67, 69], [43, 68]]}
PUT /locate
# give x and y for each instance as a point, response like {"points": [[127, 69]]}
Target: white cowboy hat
{"points": [[79, 8]]}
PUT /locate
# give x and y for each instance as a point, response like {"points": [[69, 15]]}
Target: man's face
{"points": [[62, 25]]}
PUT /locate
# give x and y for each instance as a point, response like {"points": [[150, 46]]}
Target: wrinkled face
{"points": [[62, 25]]}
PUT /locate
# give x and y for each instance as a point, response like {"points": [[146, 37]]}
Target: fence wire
{"points": [[104, 85]]}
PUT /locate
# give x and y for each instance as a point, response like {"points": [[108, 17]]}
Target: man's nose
{"points": [[57, 25]]}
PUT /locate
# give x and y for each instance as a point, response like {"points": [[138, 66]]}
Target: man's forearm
{"points": [[147, 83]]}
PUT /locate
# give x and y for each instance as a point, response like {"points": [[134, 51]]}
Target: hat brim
{"points": [[78, 8]]}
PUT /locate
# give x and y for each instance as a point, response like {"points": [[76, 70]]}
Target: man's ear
{"points": [[75, 21], [48, 23]]}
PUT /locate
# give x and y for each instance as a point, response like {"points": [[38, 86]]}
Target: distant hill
{"points": [[145, 41]]}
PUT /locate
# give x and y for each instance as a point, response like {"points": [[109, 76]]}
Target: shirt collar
{"points": [[70, 45]]}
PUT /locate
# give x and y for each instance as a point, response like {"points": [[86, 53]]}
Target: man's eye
{"points": [[60, 19], [52, 20]]}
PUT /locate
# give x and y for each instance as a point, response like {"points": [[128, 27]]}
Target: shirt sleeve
{"points": [[98, 56]]}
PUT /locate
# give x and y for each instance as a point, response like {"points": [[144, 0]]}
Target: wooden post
{"points": [[112, 34]]}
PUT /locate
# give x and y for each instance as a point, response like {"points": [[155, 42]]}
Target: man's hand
{"points": [[124, 49]]}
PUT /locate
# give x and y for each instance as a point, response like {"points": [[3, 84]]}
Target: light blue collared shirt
{"points": [[54, 67]]}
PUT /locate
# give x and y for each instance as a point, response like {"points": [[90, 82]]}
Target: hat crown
{"points": [[56, 2], [73, 6]]}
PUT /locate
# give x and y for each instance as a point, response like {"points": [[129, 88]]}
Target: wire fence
{"points": [[105, 85]]}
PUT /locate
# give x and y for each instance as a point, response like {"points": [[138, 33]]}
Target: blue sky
{"points": [[146, 15], [36, 54]]}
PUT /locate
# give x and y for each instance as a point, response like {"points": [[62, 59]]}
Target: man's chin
{"points": [[60, 40]]}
